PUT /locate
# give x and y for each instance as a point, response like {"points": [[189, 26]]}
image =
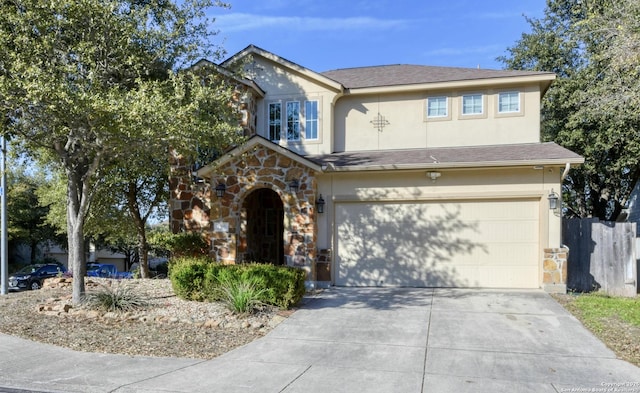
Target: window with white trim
{"points": [[311, 119], [509, 102], [437, 107], [293, 120], [472, 104], [275, 121]]}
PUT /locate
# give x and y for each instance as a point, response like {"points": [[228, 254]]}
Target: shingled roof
{"points": [[547, 153], [406, 74]]}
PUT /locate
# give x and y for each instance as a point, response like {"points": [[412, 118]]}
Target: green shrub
{"points": [[188, 276], [284, 284], [117, 298], [200, 279]]}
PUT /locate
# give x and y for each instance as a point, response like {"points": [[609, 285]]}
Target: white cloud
{"points": [[243, 22]]}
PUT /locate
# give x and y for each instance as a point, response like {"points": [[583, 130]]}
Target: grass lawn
{"points": [[614, 320]]}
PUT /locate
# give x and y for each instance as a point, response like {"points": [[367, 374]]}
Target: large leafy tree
{"points": [[592, 108], [88, 85]]}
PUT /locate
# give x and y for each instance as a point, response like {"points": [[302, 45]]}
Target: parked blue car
{"points": [[106, 270]]}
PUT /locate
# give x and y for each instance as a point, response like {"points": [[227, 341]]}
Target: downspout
{"points": [[567, 166]]}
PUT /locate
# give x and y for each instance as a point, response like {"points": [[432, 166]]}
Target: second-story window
{"points": [[293, 120], [311, 119], [509, 102], [437, 107], [472, 104], [275, 122]]}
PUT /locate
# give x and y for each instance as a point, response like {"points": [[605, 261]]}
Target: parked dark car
{"points": [[32, 276]]}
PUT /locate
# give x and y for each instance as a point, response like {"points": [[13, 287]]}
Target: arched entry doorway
{"points": [[264, 229]]}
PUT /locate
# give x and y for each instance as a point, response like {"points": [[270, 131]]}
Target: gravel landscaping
{"points": [[166, 327]]}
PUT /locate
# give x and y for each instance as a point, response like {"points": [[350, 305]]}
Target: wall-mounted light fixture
{"points": [[294, 185], [320, 204], [553, 200], [433, 175], [221, 188]]}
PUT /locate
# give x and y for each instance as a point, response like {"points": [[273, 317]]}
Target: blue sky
{"points": [[328, 34]]}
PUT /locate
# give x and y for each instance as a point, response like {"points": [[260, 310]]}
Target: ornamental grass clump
{"points": [[241, 296], [117, 298]]}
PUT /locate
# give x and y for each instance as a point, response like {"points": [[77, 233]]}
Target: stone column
{"points": [[554, 270]]}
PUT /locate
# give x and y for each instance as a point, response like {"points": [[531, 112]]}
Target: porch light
{"points": [[320, 205], [294, 185], [553, 200], [221, 188]]}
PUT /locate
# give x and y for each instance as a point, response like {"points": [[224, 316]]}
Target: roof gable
{"points": [[253, 50], [249, 146]]}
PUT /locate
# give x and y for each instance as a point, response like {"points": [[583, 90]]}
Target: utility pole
{"points": [[4, 262]]}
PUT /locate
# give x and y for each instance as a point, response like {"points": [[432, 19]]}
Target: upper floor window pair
{"points": [[473, 104], [285, 120]]}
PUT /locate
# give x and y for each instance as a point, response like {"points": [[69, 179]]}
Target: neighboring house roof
{"points": [[449, 157], [406, 74]]}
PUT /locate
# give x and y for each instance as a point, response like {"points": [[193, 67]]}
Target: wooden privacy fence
{"points": [[601, 256]]}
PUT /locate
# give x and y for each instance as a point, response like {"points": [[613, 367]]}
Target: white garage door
{"points": [[491, 244]]}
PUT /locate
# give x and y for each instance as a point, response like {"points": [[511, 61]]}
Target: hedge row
{"points": [[198, 278]]}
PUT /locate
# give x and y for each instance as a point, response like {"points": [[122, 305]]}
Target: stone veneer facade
{"points": [[224, 220]]}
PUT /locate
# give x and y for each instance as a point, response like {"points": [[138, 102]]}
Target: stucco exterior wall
{"points": [[284, 85], [407, 126]]}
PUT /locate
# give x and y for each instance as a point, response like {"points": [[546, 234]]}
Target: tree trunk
{"points": [[143, 248], [33, 251], [77, 206], [77, 258], [140, 224]]}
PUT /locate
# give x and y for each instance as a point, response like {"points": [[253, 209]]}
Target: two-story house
{"points": [[396, 175]]}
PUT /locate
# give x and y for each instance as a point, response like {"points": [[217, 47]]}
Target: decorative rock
{"points": [[62, 307], [276, 320], [257, 325], [211, 323]]}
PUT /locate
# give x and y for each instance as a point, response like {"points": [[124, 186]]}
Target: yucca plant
{"points": [[116, 298]]}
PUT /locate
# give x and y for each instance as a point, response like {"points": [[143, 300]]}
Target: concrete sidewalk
{"points": [[362, 340]]}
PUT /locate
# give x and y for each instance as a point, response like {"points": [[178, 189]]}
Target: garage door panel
{"points": [[466, 244]]}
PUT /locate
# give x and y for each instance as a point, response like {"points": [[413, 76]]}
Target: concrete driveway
{"points": [[367, 340]]}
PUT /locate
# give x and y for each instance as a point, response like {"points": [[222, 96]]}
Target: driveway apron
{"points": [[416, 340]]}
